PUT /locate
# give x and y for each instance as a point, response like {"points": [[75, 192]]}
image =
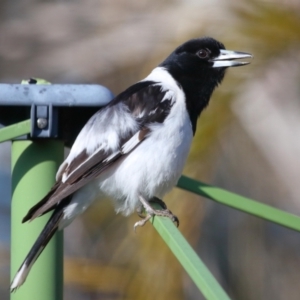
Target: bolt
{"points": [[42, 123]]}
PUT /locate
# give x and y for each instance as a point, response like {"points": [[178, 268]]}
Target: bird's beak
{"points": [[226, 58]]}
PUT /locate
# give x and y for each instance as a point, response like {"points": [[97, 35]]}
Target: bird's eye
{"points": [[203, 53]]}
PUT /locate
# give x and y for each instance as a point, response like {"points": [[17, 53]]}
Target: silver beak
{"points": [[227, 58]]}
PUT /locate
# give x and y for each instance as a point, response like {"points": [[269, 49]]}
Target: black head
{"points": [[199, 66]]}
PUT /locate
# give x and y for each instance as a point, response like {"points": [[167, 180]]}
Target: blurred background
{"points": [[247, 140]]}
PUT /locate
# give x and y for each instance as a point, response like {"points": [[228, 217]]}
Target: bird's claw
{"points": [[142, 222], [150, 212]]}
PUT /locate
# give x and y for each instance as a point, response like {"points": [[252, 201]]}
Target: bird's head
{"points": [[198, 66], [203, 59]]}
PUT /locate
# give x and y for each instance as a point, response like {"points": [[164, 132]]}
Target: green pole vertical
{"points": [[34, 165]]}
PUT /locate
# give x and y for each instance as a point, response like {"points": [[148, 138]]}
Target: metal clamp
{"points": [[44, 121]]}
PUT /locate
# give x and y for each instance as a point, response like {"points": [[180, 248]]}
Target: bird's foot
{"points": [[150, 212], [141, 210]]}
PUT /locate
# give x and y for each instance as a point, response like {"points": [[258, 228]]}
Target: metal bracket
{"points": [[44, 121]]}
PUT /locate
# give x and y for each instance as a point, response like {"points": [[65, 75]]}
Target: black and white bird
{"points": [[134, 149]]}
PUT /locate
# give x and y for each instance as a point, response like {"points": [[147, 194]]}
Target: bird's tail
{"points": [[38, 247]]}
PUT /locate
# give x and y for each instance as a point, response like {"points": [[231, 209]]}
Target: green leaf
{"points": [[241, 203]]}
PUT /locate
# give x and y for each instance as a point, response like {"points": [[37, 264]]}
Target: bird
{"points": [[133, 150]]}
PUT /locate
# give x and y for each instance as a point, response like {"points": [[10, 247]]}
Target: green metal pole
{"points": [[34, 165]]}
